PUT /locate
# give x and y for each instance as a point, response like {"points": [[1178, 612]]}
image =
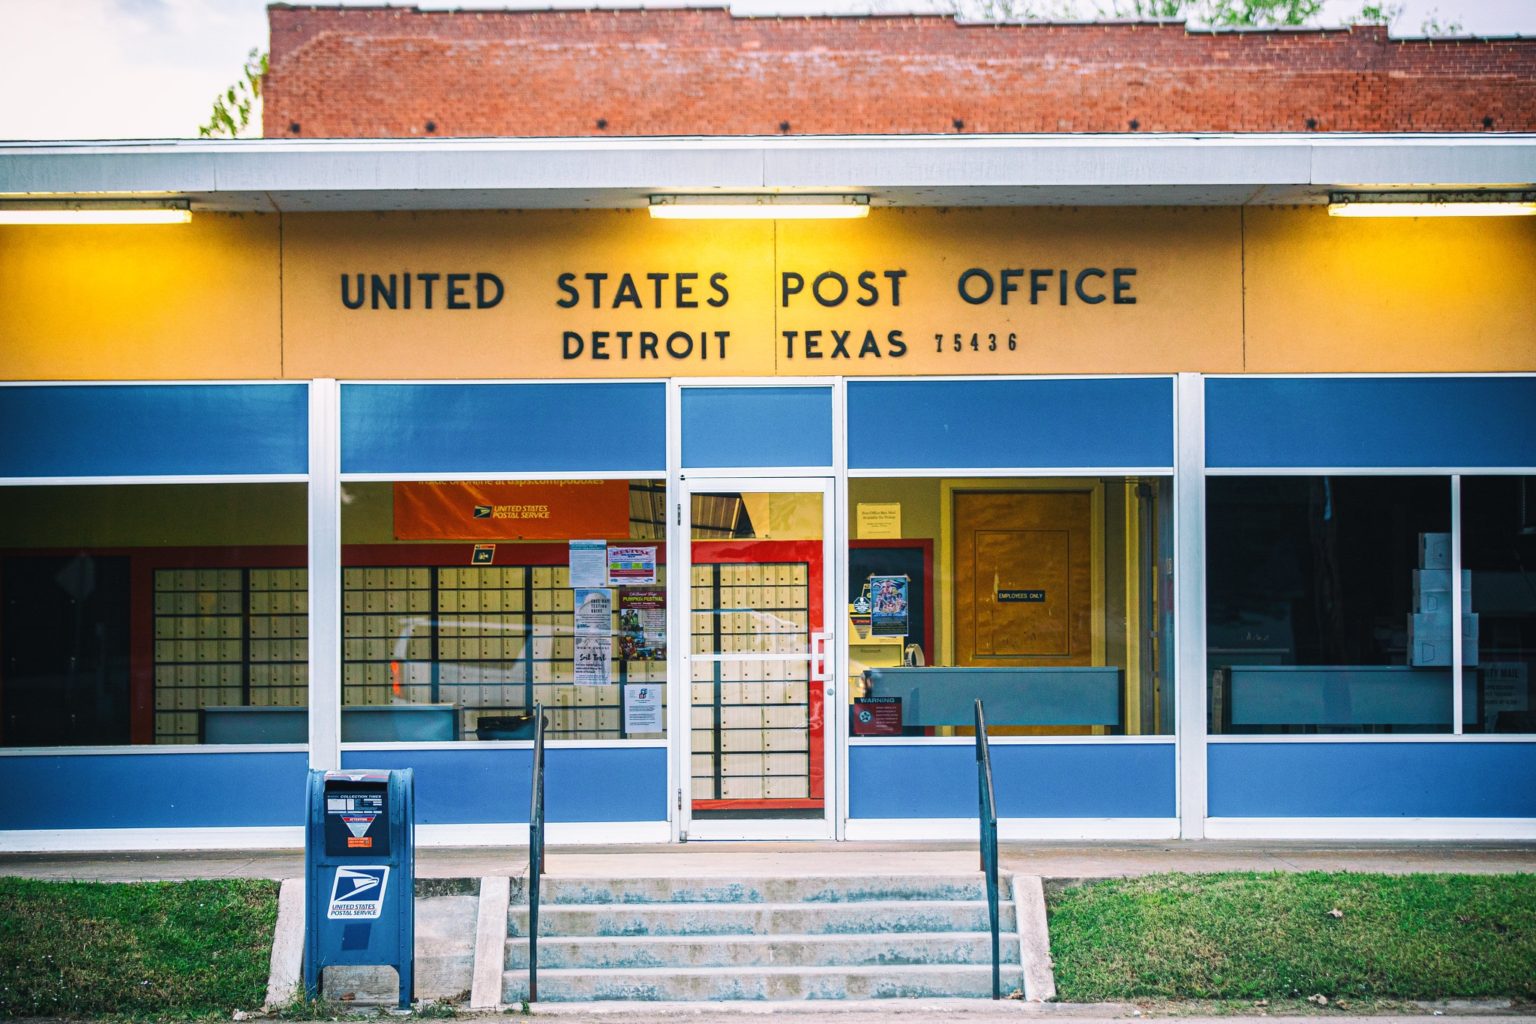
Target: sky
{"points": [[142, 69]]}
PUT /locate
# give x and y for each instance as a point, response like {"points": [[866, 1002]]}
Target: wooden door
{"points": [[1023, 578]]}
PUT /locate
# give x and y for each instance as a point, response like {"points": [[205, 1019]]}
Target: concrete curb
{"points": [[285, 974], [490, 942], [1034, 938]]}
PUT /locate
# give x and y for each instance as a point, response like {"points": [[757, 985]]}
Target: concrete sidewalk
{"points": [[720, 859], [980, 1011]]}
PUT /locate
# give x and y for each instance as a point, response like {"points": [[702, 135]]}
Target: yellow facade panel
{"points": [[197, 301], [1372, 295]]}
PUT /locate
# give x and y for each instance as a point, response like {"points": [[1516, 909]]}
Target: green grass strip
{"points": [[158, 949], [1277, 936]]}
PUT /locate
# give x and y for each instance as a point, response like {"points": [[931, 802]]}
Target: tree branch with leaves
{"points": [[234, 108]]}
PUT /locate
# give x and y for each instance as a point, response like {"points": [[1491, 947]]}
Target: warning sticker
{"points": [[358, 892], [358, 824]]}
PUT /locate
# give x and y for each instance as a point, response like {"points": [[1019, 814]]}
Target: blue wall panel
{"points": [[1028, 424], [757, 427], [1372, 780], [1371, 421], [512, 428], [154, 429], [1111, 780], [128, 790], [474, 785]]}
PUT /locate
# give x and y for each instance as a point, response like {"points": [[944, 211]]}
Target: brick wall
{"points": [[399, 72]]}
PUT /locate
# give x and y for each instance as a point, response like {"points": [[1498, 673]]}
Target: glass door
{"points": [[756, 752]]}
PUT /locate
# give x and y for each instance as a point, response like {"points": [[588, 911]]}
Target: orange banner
{"points": [[512, 510]]}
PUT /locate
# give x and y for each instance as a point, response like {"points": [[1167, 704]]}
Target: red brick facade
{"points": [[399, 72]]}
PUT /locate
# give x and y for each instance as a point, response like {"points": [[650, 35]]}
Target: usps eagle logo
{"points": [[358, 892]]}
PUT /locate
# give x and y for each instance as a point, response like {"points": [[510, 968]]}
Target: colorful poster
{"points": [[594, 612], [589, 563], [511, 509], [888, 605], [594, 658], [643, 624], [642, 708], [631, 564]]}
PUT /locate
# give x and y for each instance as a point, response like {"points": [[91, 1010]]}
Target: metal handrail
{"points": [[988, 815], [535, 852]]}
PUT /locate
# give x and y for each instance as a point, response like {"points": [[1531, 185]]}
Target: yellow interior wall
{"points": [[784, 516], [368, 513], [196, 301], [153, 515]]}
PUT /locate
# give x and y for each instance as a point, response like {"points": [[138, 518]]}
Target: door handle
{"points": [[819, 656]]}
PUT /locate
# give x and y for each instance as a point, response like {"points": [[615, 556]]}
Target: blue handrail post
{"points": [[535, 852], [988, 815]]}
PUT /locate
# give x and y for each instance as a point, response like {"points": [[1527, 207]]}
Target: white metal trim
{"points": [[679, 608], [160, 383], [712, 830], [755, 472], [138, 480], [1016, 471], [135, 749], [291, 837], [531, 381], [837, 788], [1458, 674], [686, 383], [596, 474], [1351, 738], [325, 645], [1189, 603], [1416, 829], [1012, 741], [962, 377], [561, 833], [1012, 829], [929, 170], [1370, 375], [507, 745], [116, 840], [1370, 470]]}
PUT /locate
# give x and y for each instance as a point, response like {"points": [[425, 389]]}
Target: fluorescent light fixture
{"points": [[94, 212], [760, 207], [1432, 204]]}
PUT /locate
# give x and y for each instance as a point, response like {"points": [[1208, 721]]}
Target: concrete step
{"points": [[870, 916], [810, 889], [777, 983], [630, 951]]}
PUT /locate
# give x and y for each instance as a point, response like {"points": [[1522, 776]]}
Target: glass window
{"points": [[464, 603], [1322, 608], [1498, 557], [1050, 599], [153, 613]]}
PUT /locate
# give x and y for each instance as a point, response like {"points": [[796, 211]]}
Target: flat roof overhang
{"points": [[912, 170]]}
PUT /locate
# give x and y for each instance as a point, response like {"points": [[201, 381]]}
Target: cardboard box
{"points": [[1429, 639], [1434, 551]]}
